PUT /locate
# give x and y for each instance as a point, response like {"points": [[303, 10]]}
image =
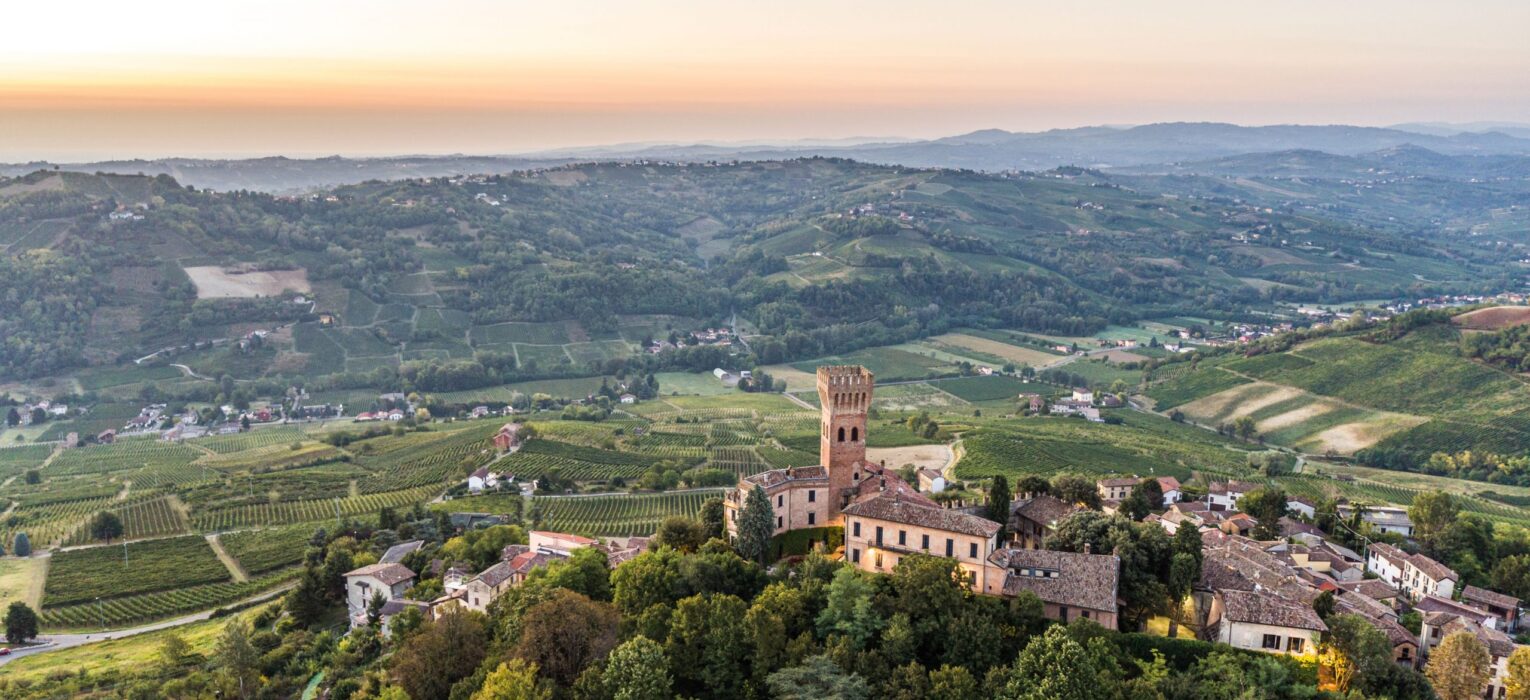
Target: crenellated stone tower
{"points": [[844, 393]]}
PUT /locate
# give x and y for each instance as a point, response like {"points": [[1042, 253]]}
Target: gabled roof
{"points": [[774, 478], [1266, 608], [480, 473], [1436, 604], [396, 553], [1080, 580], [495, 575], [565, 537], [1119, 481], [1168, 483], [389, 574], [899, 510], [1373, 588], [1045, 510], [1485, 597]]}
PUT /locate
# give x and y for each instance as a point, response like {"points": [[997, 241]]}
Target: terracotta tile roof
{"points": [[1265, 608], [898, 510], [1498, 644], [565, 537], [495, 575], [1232, 487], [1081, 580], [481, 472], [1373, 588], [776, 478], [1433, 569], [1168, 483], [1485, 597], [1045, 510], [389, 574], [1119, 481], [1434, 603], [880, 483]]}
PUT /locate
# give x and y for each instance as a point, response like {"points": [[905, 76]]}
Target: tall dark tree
{"points": [[20, 623], [106, 526], [999, 499], [756, 524], [713, 524], [442, 653], [1268, 506]]}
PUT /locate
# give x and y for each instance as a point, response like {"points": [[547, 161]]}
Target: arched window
{"points": [[855, 434], [841, 434]]}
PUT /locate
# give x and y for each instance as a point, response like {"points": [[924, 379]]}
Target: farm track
{"points": [[234, 568]]}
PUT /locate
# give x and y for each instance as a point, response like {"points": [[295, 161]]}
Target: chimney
{"points": [[883, 485]]}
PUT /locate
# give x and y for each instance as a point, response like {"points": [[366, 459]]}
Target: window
{"points": [[855, 556], [857, 476], [1062, 613], [1295, 644], [879, 534], [877, 558], [902, 537], [812, 495], [779, 522], [1084, 614], [972, 550], [855, 434], [856, 528], [1271, 641], [925, 543], [950, 547], [841, 434], [780, 500], [812, 518]]}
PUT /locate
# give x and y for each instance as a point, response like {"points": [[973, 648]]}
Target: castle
{"points": [[885, 519]]}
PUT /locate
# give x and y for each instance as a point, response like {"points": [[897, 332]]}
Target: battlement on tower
{"points": [[845, 387]]}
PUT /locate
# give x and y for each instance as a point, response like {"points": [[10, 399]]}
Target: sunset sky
{"points": [[89, 79]]}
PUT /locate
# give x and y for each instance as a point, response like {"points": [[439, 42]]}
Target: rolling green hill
{"points": [[454, 284], [1391, 404]]}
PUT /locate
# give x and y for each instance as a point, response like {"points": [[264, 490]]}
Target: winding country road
{"points": [[54, 642]]}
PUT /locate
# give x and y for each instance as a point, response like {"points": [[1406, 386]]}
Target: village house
{"points": [[482, 479], [482, 589], [106, 437], [1117, 488], [1265, 621], [559, 543], [1414, 574], [1302, 506], [1383, 518], [931, 480], [1504, 607], [1070, 585], [1073, 407], [508, 438], [1225, 495], [391, 580], [881, 531], [1439, 625], [1032, 521], [1172, 492], [1083, 395]]}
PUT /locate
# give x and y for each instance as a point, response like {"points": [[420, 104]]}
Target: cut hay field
{"points": [[1289, 416], [1010, 353], [214, 282], [1494, 318]]}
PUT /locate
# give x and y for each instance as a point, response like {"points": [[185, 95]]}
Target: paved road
{"points": [[54, 642]]}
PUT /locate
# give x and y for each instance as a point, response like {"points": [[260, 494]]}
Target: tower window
{"points": [[841, 434], [855, 434], [812, 495]]}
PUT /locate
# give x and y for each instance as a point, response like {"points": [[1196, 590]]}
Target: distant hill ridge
{"points": [[985, 150]]}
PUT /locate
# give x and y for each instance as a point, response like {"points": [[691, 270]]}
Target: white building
{"points": [[1297, 504], [1415, 575], [361, 584], [558, 543], [931, 481], [1225, 496], [1264, 621]]}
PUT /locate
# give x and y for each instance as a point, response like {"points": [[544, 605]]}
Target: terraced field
{"points": [[1289, 416], [148, 607]]}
